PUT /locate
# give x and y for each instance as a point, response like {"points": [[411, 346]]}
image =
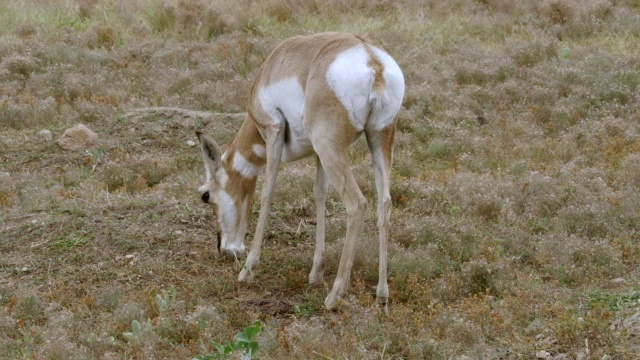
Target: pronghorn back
{"points": [[362, 80]]}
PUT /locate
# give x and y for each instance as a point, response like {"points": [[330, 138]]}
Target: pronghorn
{"points": [[314, 94]]}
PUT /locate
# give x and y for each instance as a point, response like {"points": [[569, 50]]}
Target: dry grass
{"points": [[516, 187]]}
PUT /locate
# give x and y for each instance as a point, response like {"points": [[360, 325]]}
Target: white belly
{"points": [[299, 146]]}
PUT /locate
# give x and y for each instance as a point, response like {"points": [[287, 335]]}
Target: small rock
{"points": [[542, 354], [562, 357], [631, 325], [606, 357], [4, 174], [45, 135], [191, 143], [618, 281], [77, 138]]}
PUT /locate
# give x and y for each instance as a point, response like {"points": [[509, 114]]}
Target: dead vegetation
{"points": [[515, 184]]}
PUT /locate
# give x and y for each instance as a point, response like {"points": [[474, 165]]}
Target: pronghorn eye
{"points": [[205, 197]]}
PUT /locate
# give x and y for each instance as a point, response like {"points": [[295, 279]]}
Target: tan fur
{"points": [[330, 131], [292, 58]]}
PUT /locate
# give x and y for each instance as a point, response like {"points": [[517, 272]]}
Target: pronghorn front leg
{"points": [[320, 193], [274, 145]]}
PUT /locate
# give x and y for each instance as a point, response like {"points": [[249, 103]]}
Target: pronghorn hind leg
{"points": [[274, 146], [320, 193], [334, 159], [381, 147]]}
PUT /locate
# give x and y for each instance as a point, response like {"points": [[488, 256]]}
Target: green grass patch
{"points": [[612, 301]]}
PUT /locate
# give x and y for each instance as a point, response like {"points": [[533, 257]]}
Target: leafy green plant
{"points": [[142, 333], [135, 333], [165, 302], [244, 341], [94, 158], [68, 242], [614, 302]]}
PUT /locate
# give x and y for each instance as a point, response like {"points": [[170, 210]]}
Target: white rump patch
{"points": [[388, 102], [351, 79]]}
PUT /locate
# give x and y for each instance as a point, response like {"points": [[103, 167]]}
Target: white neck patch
{"points": [[259, 150], [247, 169]]}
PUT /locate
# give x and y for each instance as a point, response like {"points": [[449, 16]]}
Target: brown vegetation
{"points": [[516, 185]]}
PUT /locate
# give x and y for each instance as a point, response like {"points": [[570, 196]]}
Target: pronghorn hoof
{"points": [[245, 276], [315, 278], [331, 302], [382, 304]]}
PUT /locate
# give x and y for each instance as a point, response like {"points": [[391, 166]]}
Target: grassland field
{"points": [[516, 183]]}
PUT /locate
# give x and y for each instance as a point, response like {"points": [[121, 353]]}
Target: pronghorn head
{"points": [[220, 190]]}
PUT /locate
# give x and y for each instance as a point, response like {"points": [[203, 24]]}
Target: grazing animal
{"points": [[314, 94]]}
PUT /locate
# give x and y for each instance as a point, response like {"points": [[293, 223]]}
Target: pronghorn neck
{"points": [[242, 161]]}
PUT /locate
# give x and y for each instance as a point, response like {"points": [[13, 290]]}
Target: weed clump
{"points": [[18, 67], [134, 177], [124, 316], [532, 54], [558, 12], [103, 36], [188, 19], [477, 278], [29, 310], [60, 348]]}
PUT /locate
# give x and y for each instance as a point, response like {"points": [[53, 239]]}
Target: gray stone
{"points": [[45, 135], [77, 138], [543, 354], [632, 324]]}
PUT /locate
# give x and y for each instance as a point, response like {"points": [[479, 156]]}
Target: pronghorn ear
{"points": [[210, 153]]}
